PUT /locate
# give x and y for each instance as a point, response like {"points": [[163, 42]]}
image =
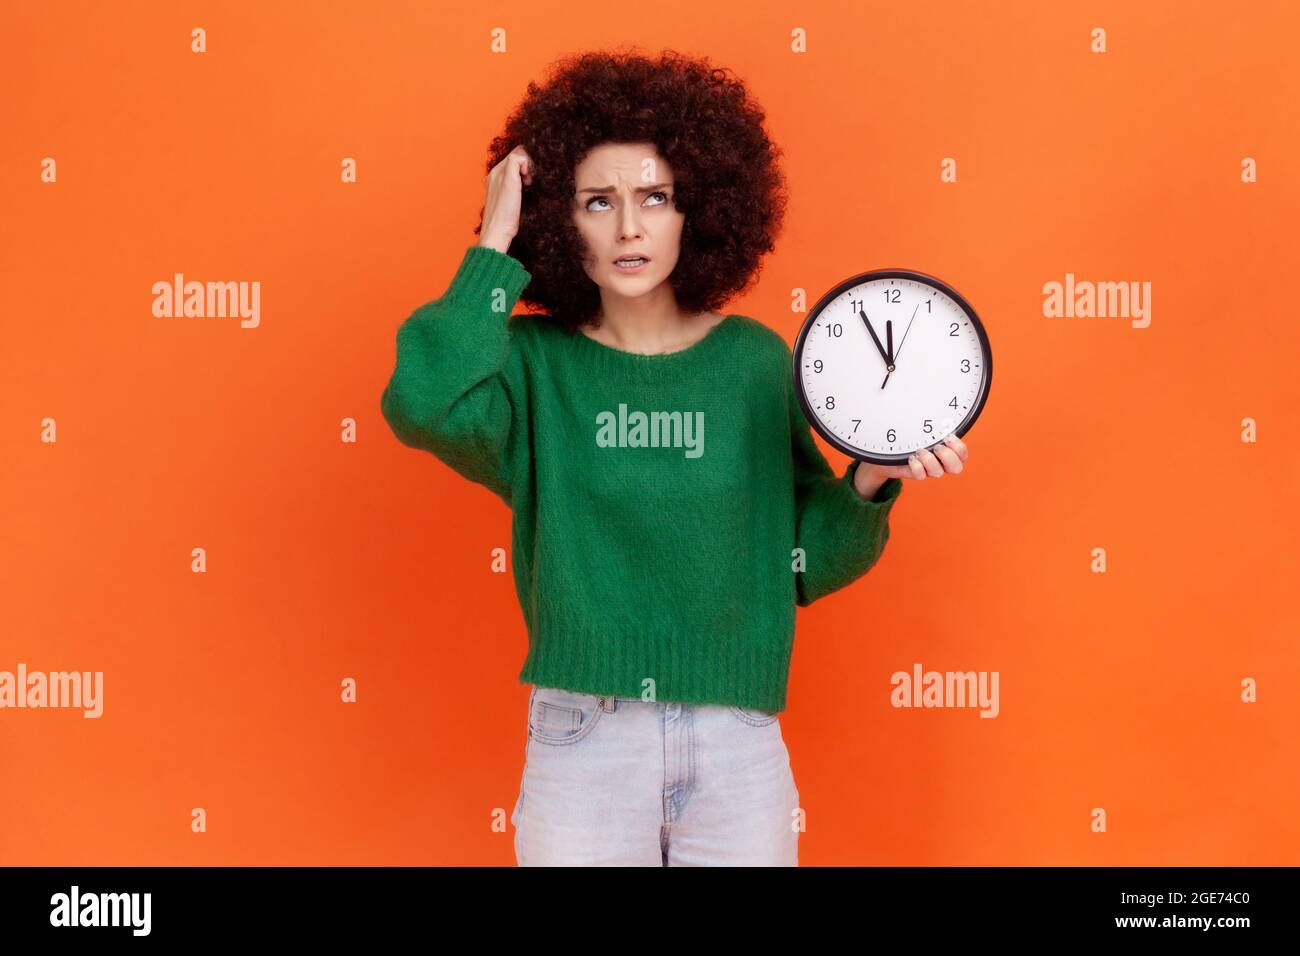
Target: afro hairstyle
{"points": [[703, 122]]}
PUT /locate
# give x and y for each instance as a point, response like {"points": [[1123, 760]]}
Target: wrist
{"points": [[867, 480], [499, 243]]}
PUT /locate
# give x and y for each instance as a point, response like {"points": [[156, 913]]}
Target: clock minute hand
{"points": [[879, 348]]}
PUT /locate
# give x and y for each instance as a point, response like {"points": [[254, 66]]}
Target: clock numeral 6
{"points": [[889, 436]]}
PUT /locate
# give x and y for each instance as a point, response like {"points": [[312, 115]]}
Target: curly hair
{"points": [[704, 124]]}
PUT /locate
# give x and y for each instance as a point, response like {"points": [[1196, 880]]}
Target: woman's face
{"points": [[624, 206]]}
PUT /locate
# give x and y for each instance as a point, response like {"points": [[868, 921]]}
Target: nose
{"points": [[629, 221]]}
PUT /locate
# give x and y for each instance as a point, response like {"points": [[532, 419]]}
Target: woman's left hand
{"points": [[946, 459]]}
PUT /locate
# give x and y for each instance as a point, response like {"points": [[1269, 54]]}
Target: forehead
{"points": [[610, 161]]}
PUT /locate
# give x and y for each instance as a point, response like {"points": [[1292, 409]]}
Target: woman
{"points": [[670, 508]]}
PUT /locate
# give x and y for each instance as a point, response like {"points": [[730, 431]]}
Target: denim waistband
{"points": [[611, 702]]}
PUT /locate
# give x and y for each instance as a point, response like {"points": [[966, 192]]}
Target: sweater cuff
{"points": [[856, 517], [481, 272]]}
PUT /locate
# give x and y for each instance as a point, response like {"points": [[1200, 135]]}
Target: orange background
{"points": [[371, 560]]}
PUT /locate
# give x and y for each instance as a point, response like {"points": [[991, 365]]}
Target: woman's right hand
{"points": [[504, 197]]}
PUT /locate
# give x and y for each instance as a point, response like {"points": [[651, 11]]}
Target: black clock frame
{"points": [[971, 416]]}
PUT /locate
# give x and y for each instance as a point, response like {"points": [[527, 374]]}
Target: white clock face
{"points": [[938, 376]]}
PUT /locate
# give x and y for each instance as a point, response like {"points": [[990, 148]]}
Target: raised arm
{"points": [[458, 388], [452, 391]]}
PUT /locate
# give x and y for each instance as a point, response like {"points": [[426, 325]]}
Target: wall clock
{"points": [[890, 362]]}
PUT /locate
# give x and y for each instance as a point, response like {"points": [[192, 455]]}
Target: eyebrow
{"points": [[610, 189]]}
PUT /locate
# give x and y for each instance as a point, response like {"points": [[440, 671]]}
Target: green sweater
{"points": [[658, 500]]}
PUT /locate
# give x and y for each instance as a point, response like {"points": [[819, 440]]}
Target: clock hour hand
{"points": [[889, 331]]}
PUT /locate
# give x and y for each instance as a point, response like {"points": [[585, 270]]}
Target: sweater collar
{"points": [[607, 358]]}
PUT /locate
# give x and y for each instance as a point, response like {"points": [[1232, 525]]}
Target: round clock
{"points": [[889, 362]]}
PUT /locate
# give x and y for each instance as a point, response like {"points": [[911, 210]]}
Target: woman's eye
{"points": [[591, 208]]}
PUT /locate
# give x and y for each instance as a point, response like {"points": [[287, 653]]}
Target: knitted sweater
{"points": [[658, 500]]}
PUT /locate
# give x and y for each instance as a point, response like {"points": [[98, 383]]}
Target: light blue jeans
{"points": [[618, 781]]}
